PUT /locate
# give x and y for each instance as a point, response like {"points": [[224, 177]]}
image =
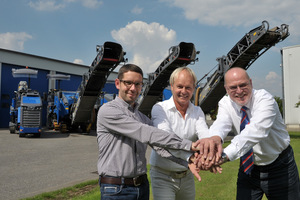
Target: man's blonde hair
{"points": [[180, 69]]}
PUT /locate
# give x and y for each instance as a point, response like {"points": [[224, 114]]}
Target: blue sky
{"points": [[69, 30]]}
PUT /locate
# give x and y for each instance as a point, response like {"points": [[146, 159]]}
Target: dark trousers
{"points": [[278, 180]]}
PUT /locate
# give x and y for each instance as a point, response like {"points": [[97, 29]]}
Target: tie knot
{"points": [[244, 108]]}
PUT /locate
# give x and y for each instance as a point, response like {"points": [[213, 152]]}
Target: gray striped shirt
{"points": [[123, 134]]}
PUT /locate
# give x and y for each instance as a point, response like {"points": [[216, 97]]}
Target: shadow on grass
{"points": [[294, 135]]}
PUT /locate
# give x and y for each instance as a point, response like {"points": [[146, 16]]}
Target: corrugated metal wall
{"points": [[291, 83]]}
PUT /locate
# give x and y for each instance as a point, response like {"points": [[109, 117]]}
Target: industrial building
{"points": [[16, 60], [291, 88]]}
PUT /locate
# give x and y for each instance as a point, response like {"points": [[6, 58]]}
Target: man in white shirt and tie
{"points": [[273, 171]]}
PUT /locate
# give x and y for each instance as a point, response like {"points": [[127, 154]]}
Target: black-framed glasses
{"points": [[130, 83]]}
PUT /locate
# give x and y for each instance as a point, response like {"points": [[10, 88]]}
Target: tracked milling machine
{"points": [[243, 54], [180, 55], [59, 102], [26, 106], [73, 110]]}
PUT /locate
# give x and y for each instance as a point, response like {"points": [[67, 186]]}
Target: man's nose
{"points": [[238, 89]]}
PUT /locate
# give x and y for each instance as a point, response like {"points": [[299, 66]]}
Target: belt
{"points": [[136, 181], [173, 174], [285, 151]]}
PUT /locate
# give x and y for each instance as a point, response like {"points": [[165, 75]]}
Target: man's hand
{"points": [[210, 150], [216, 168], [195, 170]]}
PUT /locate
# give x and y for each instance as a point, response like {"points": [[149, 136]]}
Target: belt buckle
{"points": [[135, 181], [178, 175]]}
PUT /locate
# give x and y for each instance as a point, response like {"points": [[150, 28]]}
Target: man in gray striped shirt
{"points": [[123, 134]]}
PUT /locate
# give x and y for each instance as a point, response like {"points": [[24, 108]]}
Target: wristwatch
{"points": [[224, 157]]}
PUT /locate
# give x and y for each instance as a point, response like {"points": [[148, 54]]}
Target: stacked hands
{"points": [[207, 156]]}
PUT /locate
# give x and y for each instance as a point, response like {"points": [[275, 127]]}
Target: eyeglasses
{"points": [[241, 86], [130, 83]]}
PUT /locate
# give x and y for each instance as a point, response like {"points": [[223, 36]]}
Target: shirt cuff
{"points": [[230, 151], [186, 145]]}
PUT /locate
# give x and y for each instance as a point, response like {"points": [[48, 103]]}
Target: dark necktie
{"points": [[247, 159]]}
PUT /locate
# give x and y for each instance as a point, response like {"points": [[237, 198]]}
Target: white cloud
{"points": [[53, 5], [78, 61], [14, 41], [233, 13], [271, 76], [147, 43], [91, 3], [136, 10], [272, 83], [49, 5]]}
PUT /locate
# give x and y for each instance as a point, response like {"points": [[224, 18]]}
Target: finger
{"points": [[197, 175], [211, 162], [219, 169], [195, 145], [197, 159], [201, 147], [214, 169], [211, 149], [219, 151], [195, 171], [205, 148], [202, 160]]}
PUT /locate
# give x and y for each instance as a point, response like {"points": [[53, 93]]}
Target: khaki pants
{"points": [[168, 185]]}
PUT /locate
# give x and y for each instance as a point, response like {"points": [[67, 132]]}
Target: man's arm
{"points": [[161, 121], [117, 122]]}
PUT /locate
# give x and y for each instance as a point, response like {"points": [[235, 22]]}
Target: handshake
{"points": [[207, 156]]}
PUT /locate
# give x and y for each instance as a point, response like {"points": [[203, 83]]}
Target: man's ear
{"points": [[117, 83], [226, 89]]}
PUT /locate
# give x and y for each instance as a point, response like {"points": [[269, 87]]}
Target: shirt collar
{"points": [[125, 104], [171, 105], [248, 105]]}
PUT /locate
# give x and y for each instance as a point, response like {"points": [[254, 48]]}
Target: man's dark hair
{"points": [[127, 68]]}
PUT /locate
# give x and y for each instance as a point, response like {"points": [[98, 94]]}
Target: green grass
{"points": [[213, 186]]}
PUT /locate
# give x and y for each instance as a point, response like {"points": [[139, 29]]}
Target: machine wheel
{"points": [[12, 129], [56, 125], [51, 118], [21, 135], [83, 129], [63, 128], [88, 128], [37, 135]]}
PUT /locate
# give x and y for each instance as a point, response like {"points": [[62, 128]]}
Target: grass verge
{"points": [[213, 186]]}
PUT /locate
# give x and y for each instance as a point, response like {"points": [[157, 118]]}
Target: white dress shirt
{"points": [[266, 132], [165, 116]]}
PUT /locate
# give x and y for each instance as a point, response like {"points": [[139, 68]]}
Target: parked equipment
{"points": [[59, 103], [181, 55], [74, 110], [243, 54], [26, 106]]}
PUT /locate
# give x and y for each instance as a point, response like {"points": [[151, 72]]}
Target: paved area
{"points": [[30, 166]]}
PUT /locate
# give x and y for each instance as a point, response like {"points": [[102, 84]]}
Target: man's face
{"points": [[130, 86], [238, 87], [183, 88]]}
